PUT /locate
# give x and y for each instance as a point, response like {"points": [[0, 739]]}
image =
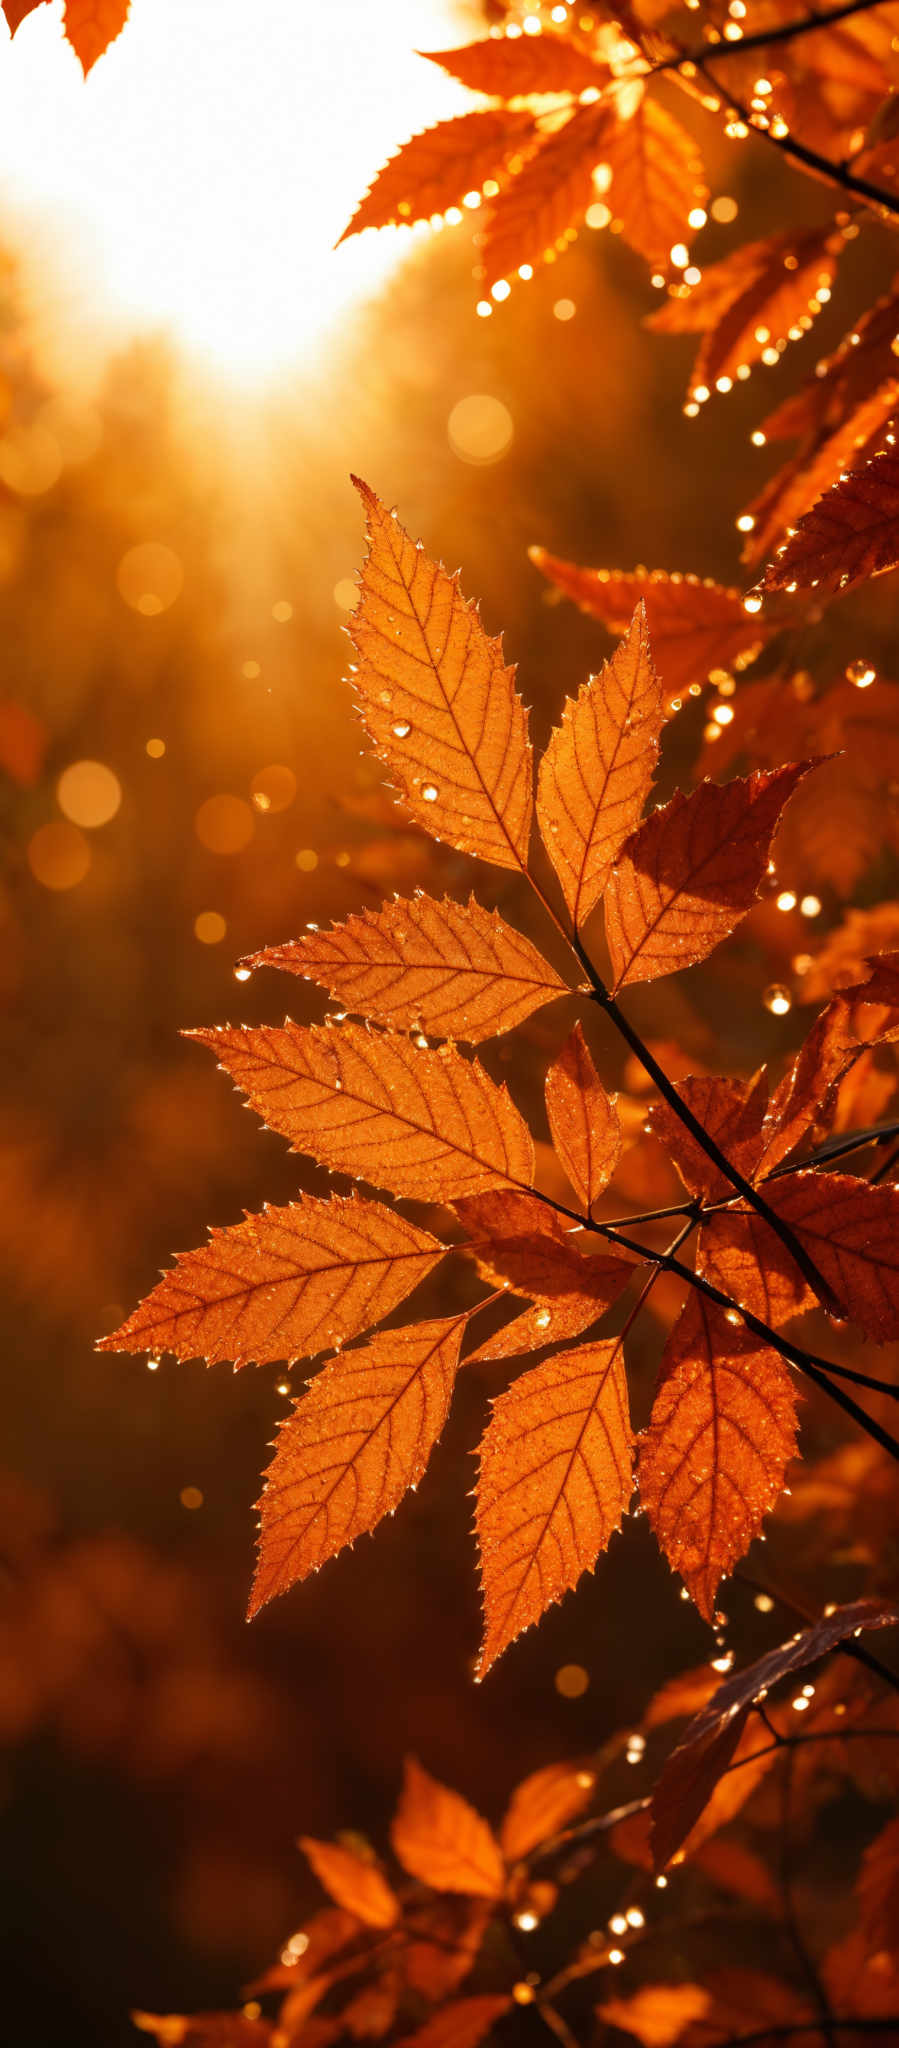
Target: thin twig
{"points": [[806, 24]]}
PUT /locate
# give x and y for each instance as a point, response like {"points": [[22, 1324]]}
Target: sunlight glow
{"points": [[196, 183]]}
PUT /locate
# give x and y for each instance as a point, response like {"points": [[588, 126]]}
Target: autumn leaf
{"points": [[852, 531], [436, 169], [709, 1743], [453, 969], [204, 2029], [519, 1242], [850, 1231], [583, 1120], [356, 1441], [437, 700], [541, 1805], [463, 2024], [721, 1435], [657, 2014], [17, 11], [444, 1935], [878, 1890], [516, 67], [694, 625], [285, 1284], [91, 25], [440, 1839], [555, 1480], [730, 1111], [549, 195], [750, 301], [597, 770], [690, 872], [357, 1885], [657, 180], [421, 1122]]}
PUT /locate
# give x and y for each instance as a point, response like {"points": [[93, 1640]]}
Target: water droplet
{"points": [[242, 973], [429, 792], [402, 729], [777, 999], [543, 1318], [861, 674]]}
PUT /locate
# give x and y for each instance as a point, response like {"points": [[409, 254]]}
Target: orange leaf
{"points": [[549, 194], [451, 968], [657, 180], [434, 170], [693, 626], [749, 302], [444, 1935], [353, 1883], [520, 1242], [657, 2014], [514, 67], [463, 2024], [741, 1255], [597, 770], [583, 1120], [356, 1441], [91, 25], [555, 1480], [693, 1769], [437, 700], [17, 11], [852, 531], [851, 1231], [205, 2029], [425, 1123], [722, 1432], [541, 1805], [285, 1284], [439, 1838], [732, 1112], [691, 871]]}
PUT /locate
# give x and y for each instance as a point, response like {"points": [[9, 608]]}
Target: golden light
{"points": [[196, 183]]}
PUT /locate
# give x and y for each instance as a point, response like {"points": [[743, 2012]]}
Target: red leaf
{"points": [[850, 1231], [596, 772], [693, 626], [353, 1883], [424, 1123], [437, 699], [453, 969], [434, 170], [691, 871], [555, 1480], [439, 1838], [583, 1120], [732, 1112], [285, 1284], [722, 1433], [852, 531], [91, 25], [355, 1443]]}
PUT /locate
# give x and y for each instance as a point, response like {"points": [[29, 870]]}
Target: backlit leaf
{"points": [[353, 1883], [285, 1284], [522, 1243], [437, 699], [356, 1441], [555, 1480], [732, 1112], [691, 871], [657, 179], [91, 25], [657, 2014], [550, 194], [439, 1838], [583, 1120], [721, 1435], [463, 2024], [434, 170], [541, 1805], [694, 626], [421, 1122], [741, 1255], [453, 969], [513, 67], [749, 301], [851, 1231], [444, 1934], [693, 1769], [597, 770], [852, 531]]}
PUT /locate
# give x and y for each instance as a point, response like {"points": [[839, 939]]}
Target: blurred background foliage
{"points": [[182, 783]]}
